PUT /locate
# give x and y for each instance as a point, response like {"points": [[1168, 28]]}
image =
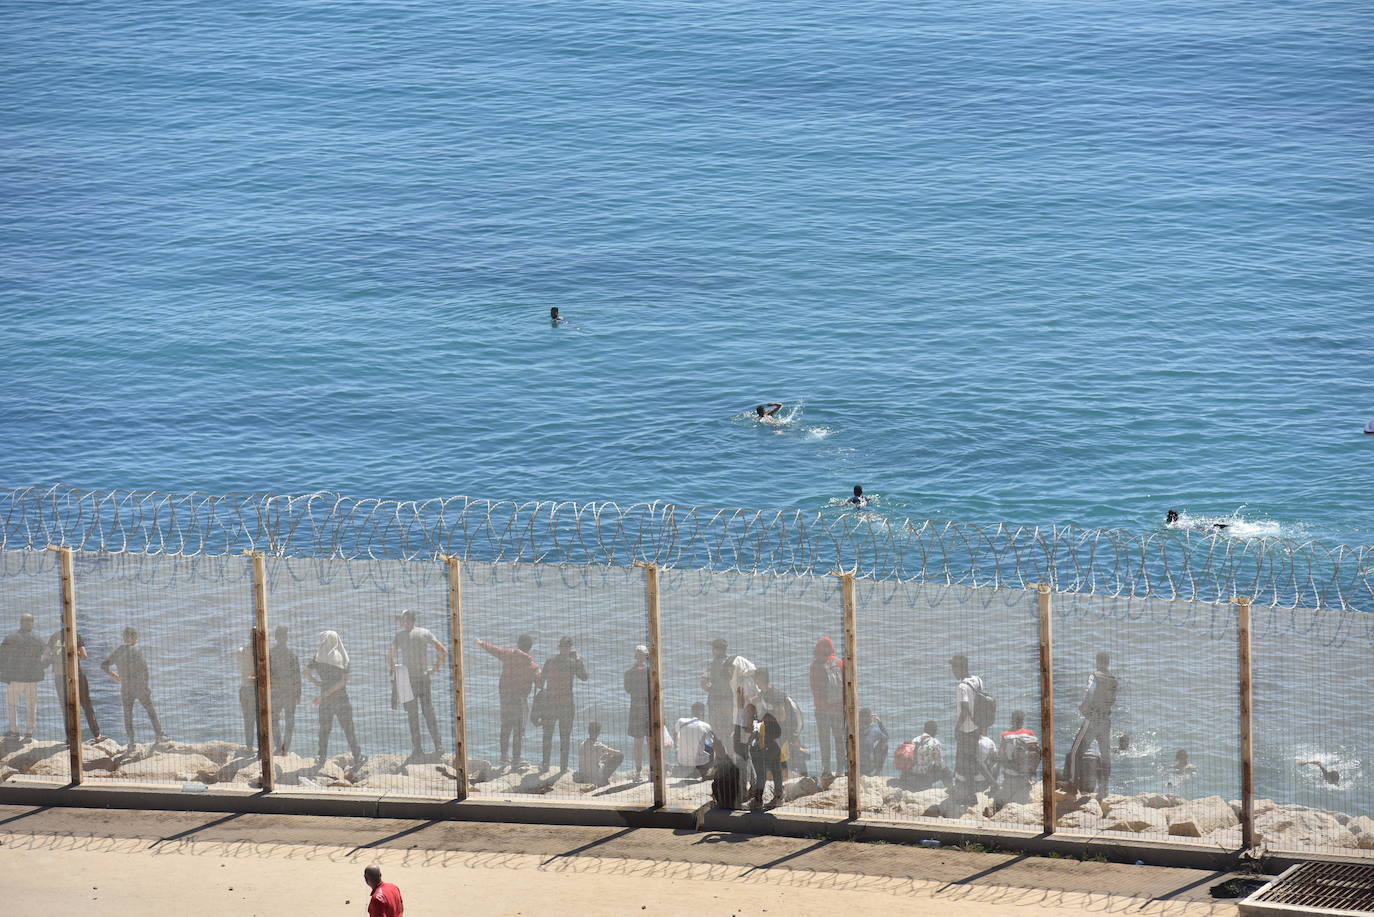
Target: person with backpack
{"points": [[974, 711], [766, 754], [872, 743], [1098, 701], [827, 693], [1019, 756], [920, 763]]}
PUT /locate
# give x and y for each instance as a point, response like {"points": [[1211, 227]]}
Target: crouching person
{"points": [[596, 760]]}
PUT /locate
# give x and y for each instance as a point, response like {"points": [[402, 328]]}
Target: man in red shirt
{"points": [[386, 898]]}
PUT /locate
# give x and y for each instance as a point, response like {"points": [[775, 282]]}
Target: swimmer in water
{"points": [[767, 413], [858, 499], [554, 318], [1330, 776], [1182, 767], [1171, 517]]}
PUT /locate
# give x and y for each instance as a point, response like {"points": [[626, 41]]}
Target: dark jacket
{"points": [[21, 657]]}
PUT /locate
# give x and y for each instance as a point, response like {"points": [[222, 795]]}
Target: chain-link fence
{"points": [[942, 692]]}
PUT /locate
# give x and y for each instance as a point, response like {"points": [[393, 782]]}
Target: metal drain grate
{"points": [[1326, 888]]}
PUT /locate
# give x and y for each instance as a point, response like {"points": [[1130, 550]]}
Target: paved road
{"points": [[115, 863]]}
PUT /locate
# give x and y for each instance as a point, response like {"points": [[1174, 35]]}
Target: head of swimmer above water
{"points": [[1171, 517]]}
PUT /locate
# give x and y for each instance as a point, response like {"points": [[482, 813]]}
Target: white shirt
{"points": [[963, 700], [692, 736]]}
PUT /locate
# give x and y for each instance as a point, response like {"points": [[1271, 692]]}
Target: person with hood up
{"points": [[329, 670], [827, 691]]}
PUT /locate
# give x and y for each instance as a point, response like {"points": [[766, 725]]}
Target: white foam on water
{"points": [[1236, 526]]}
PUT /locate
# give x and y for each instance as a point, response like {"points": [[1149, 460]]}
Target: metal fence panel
{"points": [[601, 613], [769, 623], [377, 727], [33, 751], [1314, 735]]}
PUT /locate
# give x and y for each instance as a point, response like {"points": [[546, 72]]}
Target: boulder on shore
{"points": [[174, 767], [1200, 817]]}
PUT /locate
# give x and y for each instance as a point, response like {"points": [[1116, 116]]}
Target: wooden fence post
{"points": [[1247, 735], [851, 692], [71, 674], [657, 770], [455, 629], [262, 670], [1047, 775]]}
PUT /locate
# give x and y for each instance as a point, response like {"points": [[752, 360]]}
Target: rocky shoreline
{"points": [[1209, 819]]}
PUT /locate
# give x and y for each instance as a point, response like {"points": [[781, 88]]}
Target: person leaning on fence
{"points": [[285, 667], [596, 761], [695, 741], [408, 660], [54, 655], [827, 692], [637, 686], [974, 710], [135, 684], [1019, 758], [248, 690], [920, 763], [1098, 700], [21, 665], [519, 674], [555, 704], [329, 671]]}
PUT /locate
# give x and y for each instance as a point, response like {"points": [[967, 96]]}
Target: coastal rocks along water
{"points": [[1210, 819]]}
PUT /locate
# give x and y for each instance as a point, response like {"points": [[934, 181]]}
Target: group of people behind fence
{"points": [[25, 657]]}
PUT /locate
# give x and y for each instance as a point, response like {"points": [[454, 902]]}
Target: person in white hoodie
{"points": [[329, 670]]}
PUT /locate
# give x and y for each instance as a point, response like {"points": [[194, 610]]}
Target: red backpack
{"points": [[904, 757]]}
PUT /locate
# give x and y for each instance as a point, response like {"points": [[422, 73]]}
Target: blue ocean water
{"points": [[1040, 262]]}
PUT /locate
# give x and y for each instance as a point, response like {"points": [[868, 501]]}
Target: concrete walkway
{"points": [[115, 863]]}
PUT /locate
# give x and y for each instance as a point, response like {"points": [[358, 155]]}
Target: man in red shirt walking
{"points": [[386, 898]]}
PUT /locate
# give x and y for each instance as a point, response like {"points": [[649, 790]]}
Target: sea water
{"points": [[1051, 262]]}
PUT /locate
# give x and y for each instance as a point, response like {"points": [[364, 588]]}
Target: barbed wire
{"points": [[1169, 564]]}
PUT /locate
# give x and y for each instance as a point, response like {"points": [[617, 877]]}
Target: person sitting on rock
{"points": [[873, 743], [694, 741], [985, 763], [1019, 756], [596, 760], [928, 761]]}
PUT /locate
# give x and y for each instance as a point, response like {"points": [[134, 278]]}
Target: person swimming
{"points": [[1330, 776], [767, 413], [1369, 428], [858, 499], [1172, 518], [554, 318]]}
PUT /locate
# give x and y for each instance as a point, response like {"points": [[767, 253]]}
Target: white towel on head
{"points": [[331, 651]]}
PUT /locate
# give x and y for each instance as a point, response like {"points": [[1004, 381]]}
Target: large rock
{"points": [[1019, 813], [1136, 817], [1294, 826], [1362, 829], [798, 787], [217, 751], [503, 785], [180, 768], [291, 769], [1200, 817], [6, 772], [24, 759], [1162, 800]]}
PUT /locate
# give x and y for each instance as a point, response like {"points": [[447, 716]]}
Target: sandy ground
{"points": [[117, 863]]}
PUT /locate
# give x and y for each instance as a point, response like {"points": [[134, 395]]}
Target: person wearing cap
{"points": [[637, 686], [408, 660], [22, 664], [558, 705]]}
